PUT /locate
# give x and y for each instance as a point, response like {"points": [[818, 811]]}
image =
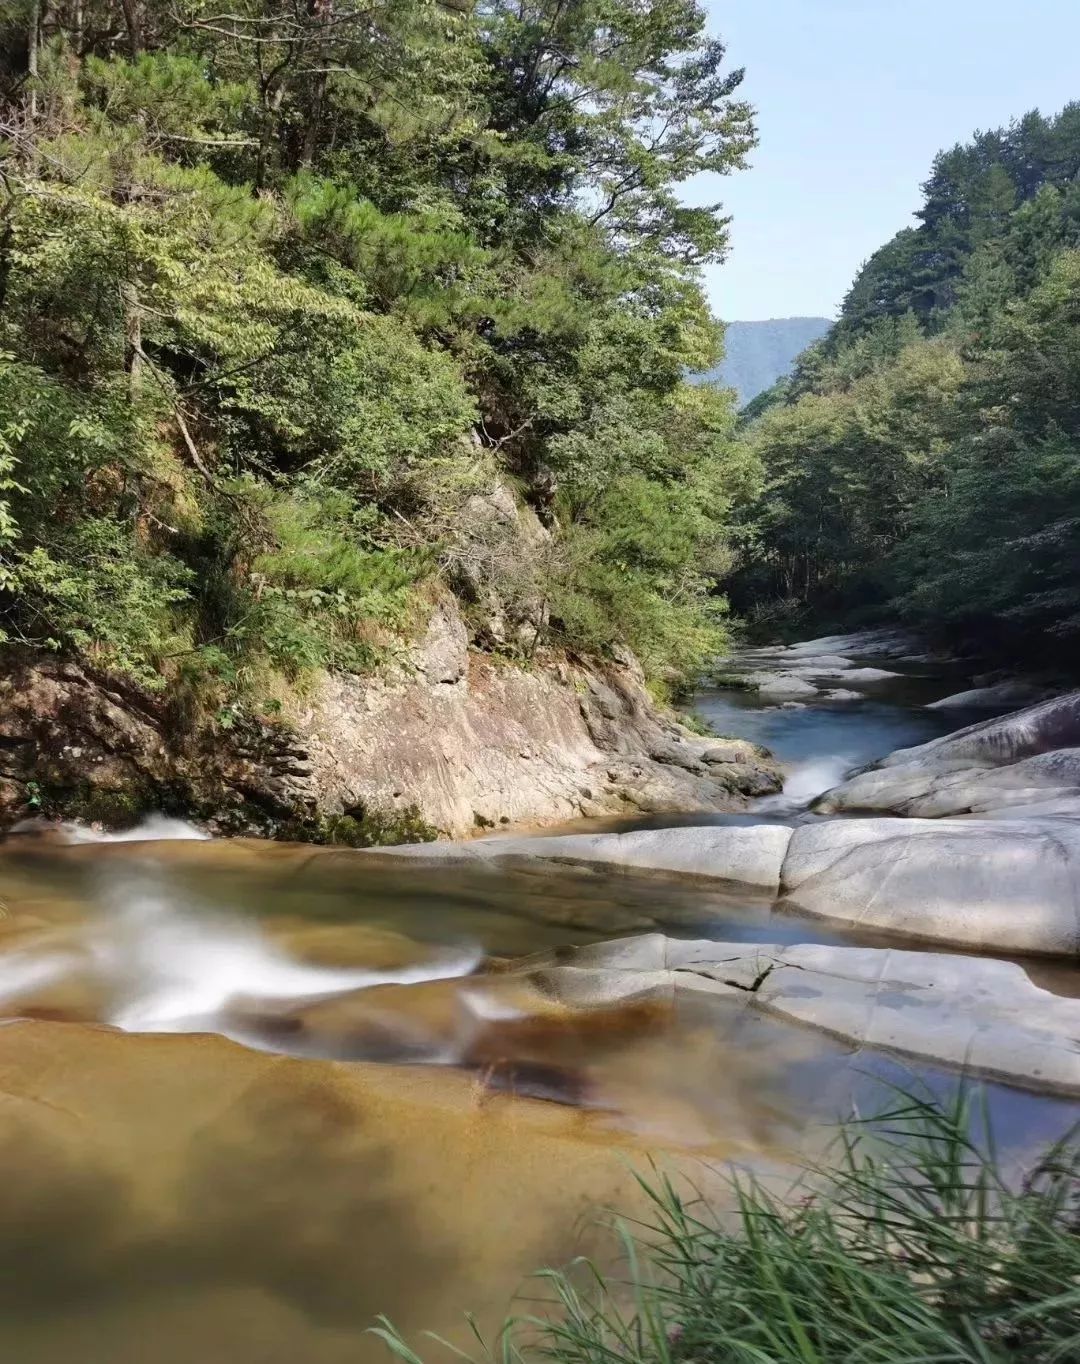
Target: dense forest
{"points": [[925, 456], [295, 294], [757, 354], [290, 288]]}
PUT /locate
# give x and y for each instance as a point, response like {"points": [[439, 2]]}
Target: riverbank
{"points": [[448, 742]]}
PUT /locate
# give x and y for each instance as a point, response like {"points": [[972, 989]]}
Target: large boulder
{"points": [[998, 886], [994, 743], [955, 787], [749, 855], [1022, 760], [979, 1015], [777, 686]]}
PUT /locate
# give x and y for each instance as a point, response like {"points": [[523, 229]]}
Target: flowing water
{"points": [[253, 1095]]}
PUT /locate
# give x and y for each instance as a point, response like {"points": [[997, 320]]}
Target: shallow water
{"points": [[253, 1095]]}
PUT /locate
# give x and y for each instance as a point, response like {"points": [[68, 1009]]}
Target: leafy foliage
{"points": [[285, 290], [927, 452]]}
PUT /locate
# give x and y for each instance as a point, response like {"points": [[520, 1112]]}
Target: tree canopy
{"points": [[926, 454], [286, 286]]}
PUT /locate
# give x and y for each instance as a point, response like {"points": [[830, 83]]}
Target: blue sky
{"points": [[854, 98]]}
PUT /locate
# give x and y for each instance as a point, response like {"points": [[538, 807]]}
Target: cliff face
{"points": [[467, 741], [476, 743]]}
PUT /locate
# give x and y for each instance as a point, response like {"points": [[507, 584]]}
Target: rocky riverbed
{"points": [[261, 1092]]}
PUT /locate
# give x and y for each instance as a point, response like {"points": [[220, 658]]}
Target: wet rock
{"points": [[867, 675], [811, 665], [1007, 886], [975, 1014], [778, 686], [921, 790], [1026, 759]]}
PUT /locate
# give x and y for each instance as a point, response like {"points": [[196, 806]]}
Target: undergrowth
{"points": [[913, 1247]]}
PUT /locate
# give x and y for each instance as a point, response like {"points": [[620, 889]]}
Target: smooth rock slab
{"points": [[1004, 886], [748, 854], [975, 1014], [999, 697], [959, 788]]}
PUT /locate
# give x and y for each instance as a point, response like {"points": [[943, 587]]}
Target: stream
{"points": [[253, 1095]]}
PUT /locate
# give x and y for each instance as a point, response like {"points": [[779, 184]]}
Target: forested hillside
{"points": [[287, 289], [926, 454], [757, 354]]}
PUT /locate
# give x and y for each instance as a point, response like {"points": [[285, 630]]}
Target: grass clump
{"points": [[915, 1248], [696, 723]]}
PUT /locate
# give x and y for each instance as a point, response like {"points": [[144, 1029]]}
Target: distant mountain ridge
{"points": [[759, 353]]}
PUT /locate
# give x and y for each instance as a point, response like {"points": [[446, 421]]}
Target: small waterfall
{"points": [[805, 782], [153, 828]]}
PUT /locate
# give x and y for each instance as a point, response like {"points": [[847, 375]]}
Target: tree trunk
{"points": [[271, 108], [134, 27], [32, 44], [322, 12], [133, 351]]}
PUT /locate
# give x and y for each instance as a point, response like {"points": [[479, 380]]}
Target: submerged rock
{"points": [[749, 855], [978, 1015], [188, 1180]]}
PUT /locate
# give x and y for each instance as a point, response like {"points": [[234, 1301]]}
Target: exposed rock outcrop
{"points": [[980, 883], [104, 749], [466, 740], [1002, 886], [799, 671], [1000, 696], [498, 745]]}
